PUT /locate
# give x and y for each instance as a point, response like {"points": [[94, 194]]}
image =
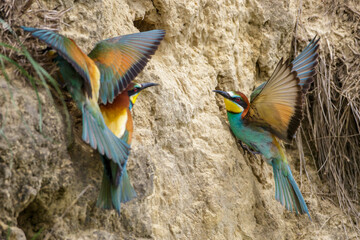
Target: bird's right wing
{"points": [[122, 58]]}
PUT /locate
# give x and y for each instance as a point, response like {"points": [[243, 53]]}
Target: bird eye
{"points": [[135, 89], [237, 99]]}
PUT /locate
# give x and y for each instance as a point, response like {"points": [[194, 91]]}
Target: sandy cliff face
{"points": [[192, 179]]}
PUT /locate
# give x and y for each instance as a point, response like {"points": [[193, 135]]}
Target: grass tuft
{"points": [[22, 62], [40, 78]]}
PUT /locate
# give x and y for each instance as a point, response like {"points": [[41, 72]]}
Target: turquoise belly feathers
{"points": [[274, 112]]}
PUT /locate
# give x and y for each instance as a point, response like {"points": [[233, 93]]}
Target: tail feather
{"points": [[104, 199], [289, 197], [287, 191], [297, 194], [128, 191], [115, 187]]}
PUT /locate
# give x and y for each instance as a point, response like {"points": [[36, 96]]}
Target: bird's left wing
{"points": [[304, 65], [122, 58], [278, 106], [67, 49]]}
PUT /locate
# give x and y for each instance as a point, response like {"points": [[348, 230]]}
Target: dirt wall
{"points": [[193, 181]]}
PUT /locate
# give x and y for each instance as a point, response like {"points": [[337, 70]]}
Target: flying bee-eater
{"points": [[274, 112], [116, 187], [100, 84]]}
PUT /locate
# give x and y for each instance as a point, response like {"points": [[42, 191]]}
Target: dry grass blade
{"points": [[332, 129]]}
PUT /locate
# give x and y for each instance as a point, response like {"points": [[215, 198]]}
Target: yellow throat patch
{"points": [[134, 97], [232, 107]]}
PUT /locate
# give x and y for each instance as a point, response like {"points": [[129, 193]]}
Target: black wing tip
{"points": [[161, 31], [161, 35], [316, 55], [287, 62], [298, 114], [306, 85], [294, 123], [135, 70], [297, 117], [316, 40]]}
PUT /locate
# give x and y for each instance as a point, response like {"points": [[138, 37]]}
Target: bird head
{"points": [[235, 102], [135, 89]]}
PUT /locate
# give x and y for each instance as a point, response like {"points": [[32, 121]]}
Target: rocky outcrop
{"points": [[192, 179]]}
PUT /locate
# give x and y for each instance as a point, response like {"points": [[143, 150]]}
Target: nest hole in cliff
{"points": [[146, 22], [41, 216], [35, 219], [144, 25]]}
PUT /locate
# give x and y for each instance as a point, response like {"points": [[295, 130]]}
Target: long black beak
{"points": [[146, 85], [223, 93]]}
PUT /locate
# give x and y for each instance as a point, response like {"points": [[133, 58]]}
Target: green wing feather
{"points": [[257, 91], [67, 49], [122, 58]]}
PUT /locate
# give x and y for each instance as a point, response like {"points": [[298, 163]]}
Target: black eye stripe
{"points": [[239, 101]]}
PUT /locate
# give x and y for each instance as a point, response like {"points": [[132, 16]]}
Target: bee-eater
{"points": [[115, 186], [274, 112], [100, 84]]}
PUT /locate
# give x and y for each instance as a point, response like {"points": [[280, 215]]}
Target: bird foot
{"points": [[247, 148]]}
